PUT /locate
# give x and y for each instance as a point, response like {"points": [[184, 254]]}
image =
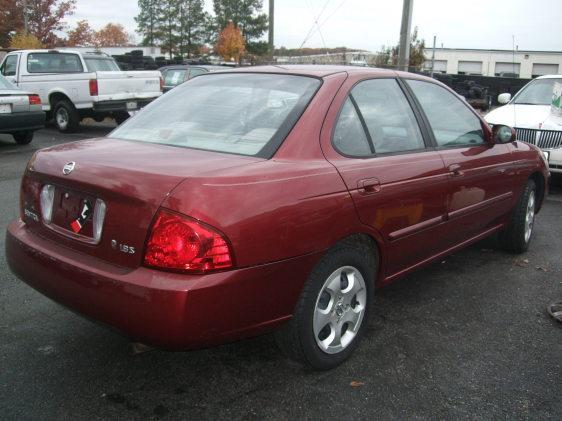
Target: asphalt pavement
{"points": [[467, 337]]}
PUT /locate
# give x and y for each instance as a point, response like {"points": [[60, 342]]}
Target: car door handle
{"points": [[455, 170], [369, 186]]}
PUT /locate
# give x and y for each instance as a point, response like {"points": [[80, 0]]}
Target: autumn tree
{"points": [[246, 15], [231, 45], [81, 36], [111, 35], [25, 40], [46, 17], [11, 21]]}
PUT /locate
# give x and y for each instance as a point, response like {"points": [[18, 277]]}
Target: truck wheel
{"points": [[332, 313], [67, 118], [23, 138], [120, 117], [516, 236]]}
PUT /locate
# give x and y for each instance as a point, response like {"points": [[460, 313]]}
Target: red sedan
{"points": [[272, 198]]}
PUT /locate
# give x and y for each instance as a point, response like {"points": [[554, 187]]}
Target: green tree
{"points": [[148, 21], [245, 14], [192, 26]]}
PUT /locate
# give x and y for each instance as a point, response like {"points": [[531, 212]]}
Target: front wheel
{"points": [[332, 313], [516, 236], [23, 138]]}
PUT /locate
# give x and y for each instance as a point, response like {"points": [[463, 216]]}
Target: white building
{"points": [[147, 51], [525, 64]]}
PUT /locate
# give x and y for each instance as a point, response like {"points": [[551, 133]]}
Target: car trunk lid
{"points": [[131, 178]]}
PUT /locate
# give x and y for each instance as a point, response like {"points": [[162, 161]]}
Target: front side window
{"points": [[53, 63], [246, 114], [538, 92], [452, 122], [9, 66]]}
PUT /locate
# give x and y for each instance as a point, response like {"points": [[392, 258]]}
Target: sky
{"points": [[369, 24]]}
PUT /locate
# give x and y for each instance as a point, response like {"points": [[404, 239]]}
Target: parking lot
{"points": [[467, 337]]}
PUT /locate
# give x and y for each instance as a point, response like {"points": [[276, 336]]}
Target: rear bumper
{"points": [[17, 122], [167, 310], [121, 105]]}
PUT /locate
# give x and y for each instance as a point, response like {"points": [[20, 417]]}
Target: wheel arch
{"points": [[57, 96], [540, 184]]}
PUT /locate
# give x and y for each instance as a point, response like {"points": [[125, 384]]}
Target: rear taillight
{"points": [[181, 243], [34, 99], [93, 87], [161, 84], [46, 201]]}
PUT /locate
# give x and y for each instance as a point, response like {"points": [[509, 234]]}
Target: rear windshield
{"points": [[240, 113], [96, 64], [538, 92], [174, 77], [53, 63]]}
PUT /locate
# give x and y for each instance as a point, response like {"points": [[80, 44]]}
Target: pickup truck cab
{"points": [[74, 85]]}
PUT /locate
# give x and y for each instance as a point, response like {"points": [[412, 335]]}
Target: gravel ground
{"points": [[464, 338]]}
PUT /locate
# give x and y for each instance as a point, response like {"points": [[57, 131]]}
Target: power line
{"points": [[319, 25], [315, 23]]}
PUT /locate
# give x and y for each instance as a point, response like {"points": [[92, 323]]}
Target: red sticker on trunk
{"points": [[76, 226]]}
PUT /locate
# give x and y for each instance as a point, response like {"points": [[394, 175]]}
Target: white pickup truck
{"points": [[74, 85]]}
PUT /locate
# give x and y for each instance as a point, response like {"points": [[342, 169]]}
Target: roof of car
{"points": [[316, 70], [550, 77]]}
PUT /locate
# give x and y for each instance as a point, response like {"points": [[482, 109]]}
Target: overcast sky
{"points": [[369, 24]]}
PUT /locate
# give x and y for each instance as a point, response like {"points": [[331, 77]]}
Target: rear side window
{"points": [[388, 116], [349, 136], [174, 77], [9, 66], [53, 63], [240, 113], [377, 119], [452, 122]]}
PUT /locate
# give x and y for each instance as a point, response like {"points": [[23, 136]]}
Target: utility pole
{"points": [[271, 24], [433, 56], [404, 48], [25, 16]]}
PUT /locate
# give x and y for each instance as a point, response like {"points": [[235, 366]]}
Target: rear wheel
{"points": [[121, 117], [23, 138], [66, 117], [516, 237], [332, 313]]}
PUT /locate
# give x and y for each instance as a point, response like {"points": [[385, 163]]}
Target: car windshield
{"points": [[538, 92], [240, 113], [97, 64], [5, 84]]}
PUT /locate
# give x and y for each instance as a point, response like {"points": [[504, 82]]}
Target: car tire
{"points": [[121, 116], [516, 236], [66, 117], [336, 297], [23, 138]]}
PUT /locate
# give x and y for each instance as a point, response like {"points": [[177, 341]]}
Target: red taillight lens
{"points": [[161, 84], [34, 99], [181, 243], [93, 87]]}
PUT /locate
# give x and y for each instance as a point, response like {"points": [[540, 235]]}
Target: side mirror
{"points": [[504, 98], [503, 134]]}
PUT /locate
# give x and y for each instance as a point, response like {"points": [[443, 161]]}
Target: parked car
{"points": [[74, 85], [529, 112], [20, 112], [271, 198], [176, 74]]}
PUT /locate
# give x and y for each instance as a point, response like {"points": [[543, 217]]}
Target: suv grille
{"points": [[544, 139]]}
